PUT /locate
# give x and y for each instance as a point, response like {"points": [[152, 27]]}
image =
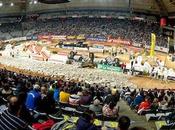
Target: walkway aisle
{"points": [[136, 119]]}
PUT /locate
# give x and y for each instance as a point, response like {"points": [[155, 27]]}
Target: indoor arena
{"points": [[87, 64]]}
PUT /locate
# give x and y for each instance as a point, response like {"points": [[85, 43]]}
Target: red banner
{"points": [[119, 41]]}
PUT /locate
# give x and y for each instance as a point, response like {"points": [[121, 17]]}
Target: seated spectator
{"points": [[98, 96], [164, 103], [110, 110], [85, 99], [138, 99], [155, 104], [33, 97], [130, 97], [6, 91], [145, 105], [113, 97], [96, 107], [64, 96], [24, 112], [85, 122], [123, 123], [56, 93], [9, 119], [74, 99], [43, 92], [79, 93], [47, 104]]}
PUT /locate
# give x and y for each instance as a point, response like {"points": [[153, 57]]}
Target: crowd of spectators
{"points": [[153, 99], [25, 94], [133, 30]]}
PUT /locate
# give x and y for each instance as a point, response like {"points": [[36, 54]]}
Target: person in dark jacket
{"points": [[113, 97], [47, 104], [85, 122]]}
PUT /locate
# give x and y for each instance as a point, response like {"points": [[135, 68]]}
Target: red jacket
{"points": [[144, 105]]}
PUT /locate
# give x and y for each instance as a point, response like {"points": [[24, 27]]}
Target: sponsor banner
{"points": [[32, 37], [99, 46], [119, 41], [71, 37], [81, 37], [109, 68], [16, 39], [96, 38], [80, 49], [161, 49], [44, 37], [157, 48], [92, 49], [59, 37]]}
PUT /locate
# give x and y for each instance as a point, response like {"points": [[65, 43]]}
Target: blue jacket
{"points": [[32, 99], [82, 124], [138, 99], [56, 94]]}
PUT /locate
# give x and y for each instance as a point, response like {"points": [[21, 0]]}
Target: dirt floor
{"points": [[141, 82], [148, 83]]}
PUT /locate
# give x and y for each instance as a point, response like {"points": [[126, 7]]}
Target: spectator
{"points": [[64, 95], [33, 97], [123, 123], [6, 91], [138, 99], [96, 107], [47, 104], [110, 110], [85, 122], [164, 103], [9, 119], [56, 93], [145, 105], [43, 92], [23, 111], [85, 99], [113, 97], [74, 99]]}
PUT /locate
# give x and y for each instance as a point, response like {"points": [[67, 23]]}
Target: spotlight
{"points": [[11, 4], [1, 4], [35, 1]]}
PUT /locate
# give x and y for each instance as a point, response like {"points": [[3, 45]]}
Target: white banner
{"points": [[17, 39]]}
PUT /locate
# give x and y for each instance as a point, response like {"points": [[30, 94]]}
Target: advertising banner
{"points": [[153, 43], [44, 37], [81, 37], [97, 38], [119, 41], [16, 39], [59, 37], [109, 68], [71, 37]]}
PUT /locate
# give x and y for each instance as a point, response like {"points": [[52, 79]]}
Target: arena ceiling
{"points": [[162, 7]]}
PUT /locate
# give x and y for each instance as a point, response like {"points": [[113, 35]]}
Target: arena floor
{"points": [[140, 82]]}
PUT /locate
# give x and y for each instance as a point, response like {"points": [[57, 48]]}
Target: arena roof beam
{"points": [[162, 7]]}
